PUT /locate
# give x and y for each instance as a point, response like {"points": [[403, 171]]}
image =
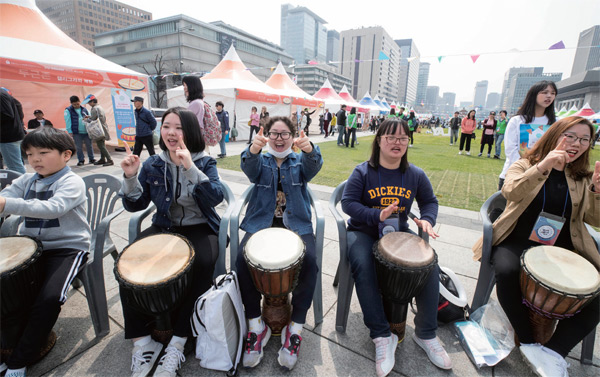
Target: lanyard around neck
{"points": [[566, 199]]}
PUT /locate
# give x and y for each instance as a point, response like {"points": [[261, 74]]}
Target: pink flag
{"points": [[313, 62], [474, 58]]}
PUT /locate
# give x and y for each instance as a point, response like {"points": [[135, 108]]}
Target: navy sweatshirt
{"points": [[370, 190]]}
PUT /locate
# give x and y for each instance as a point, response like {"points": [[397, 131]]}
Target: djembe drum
{"points": [[274, 257], [155, 273], [403, 262], [20, 282], [556, 284]]}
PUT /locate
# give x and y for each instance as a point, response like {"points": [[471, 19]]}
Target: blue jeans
{"points": [[302, 295], [453, 135], [341, 133], [498, 141], [362, 265], [11, 154], [222, 144], [79, 140]]}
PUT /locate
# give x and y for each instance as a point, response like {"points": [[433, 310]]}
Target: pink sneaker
{"points": [[254, 347]]}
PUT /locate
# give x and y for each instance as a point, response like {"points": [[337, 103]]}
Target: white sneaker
{"points": [[468, 153], [144, 357], [459, 152], [255, 343], [544, 361], [290, 346], [435, 351], [385, 349], [171, 361]]}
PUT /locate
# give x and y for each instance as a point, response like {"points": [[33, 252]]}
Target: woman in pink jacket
{"points": [[467, 127], [254, 122]]}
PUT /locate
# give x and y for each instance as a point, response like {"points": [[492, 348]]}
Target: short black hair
{"points": [[389, 127], [74, 99], [194, 87], [456, 112], [48, 137], [503, 111], [192, 135], [285, 120], [93, 101], [219, 103], [343, 107]]}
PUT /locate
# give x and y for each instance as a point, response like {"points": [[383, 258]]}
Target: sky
{"points": [[439, 28]]}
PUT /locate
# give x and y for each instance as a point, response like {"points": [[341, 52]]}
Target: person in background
{"points": [[351, 128], [467, 127], [145, 123], [254, 122], [454, 127], [537, 110], [97, 113], [224, 120], [341, 124], [487, 137], [499, 135], [321, 124], [74, 116], [400, 113], [38, 121], [327, 117], [11, 131], [392, 113], [308, 119], [333, 125], [597, 131], [413, 124], [264, 117]]}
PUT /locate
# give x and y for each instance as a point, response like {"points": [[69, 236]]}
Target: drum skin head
{"points": [[274, 248], [15, 251], [562, 269], [405, 249], [154, 259]]}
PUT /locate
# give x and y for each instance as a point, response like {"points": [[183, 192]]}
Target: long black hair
{"points": [[527, 109], [194, 86], [192, 135], [388, 127]]}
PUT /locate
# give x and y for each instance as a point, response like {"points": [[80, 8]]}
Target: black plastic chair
{"points": [[102, 196], [490, 211], [7, 176]]}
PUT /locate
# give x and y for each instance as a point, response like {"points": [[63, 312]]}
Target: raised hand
{"points": [[303, 143], [557, 158], [427, 227], [131, 163], [596, 177], [259, 142], [387, 212], [183, 154]]}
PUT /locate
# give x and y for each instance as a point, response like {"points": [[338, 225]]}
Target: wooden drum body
{"points": [[556, 283], [274, 257], [403, 262], [155, 272]]}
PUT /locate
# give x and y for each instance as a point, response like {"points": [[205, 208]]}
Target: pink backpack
{"points": [[212, 127]]}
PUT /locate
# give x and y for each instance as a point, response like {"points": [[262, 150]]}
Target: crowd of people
{"points": [[183, 182]]}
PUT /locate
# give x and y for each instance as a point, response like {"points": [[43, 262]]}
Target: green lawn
{"points": [[458, 181]]}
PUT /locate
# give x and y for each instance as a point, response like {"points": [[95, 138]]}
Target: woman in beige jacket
{"points": [[553, 177]]}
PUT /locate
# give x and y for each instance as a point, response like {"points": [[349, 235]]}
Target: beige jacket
{"points": [[523, 182]]}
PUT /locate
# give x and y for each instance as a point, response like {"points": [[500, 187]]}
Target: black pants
{"points": [[28, 332], [252, 129], [140, 141], [489, 148], [351, 134], [412, 139], [569, 332], [465, 137], [205, 243]]}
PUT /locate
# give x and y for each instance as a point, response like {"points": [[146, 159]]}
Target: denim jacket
{"points": [[296, 171], [153, 177]]}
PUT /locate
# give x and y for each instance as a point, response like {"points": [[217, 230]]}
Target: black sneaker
{"points": [[81, 163], [92, 161], [100, 162], [109, 163]]}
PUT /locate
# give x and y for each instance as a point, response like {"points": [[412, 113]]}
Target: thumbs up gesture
{"points": [[303, 143], [259, 142]]}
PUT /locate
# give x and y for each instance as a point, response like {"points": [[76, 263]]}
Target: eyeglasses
{"points": [[572, 139], [275, 135], [492, 113], [394, 139]]}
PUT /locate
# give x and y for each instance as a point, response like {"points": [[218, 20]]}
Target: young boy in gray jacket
{"points": [[53, 204]]}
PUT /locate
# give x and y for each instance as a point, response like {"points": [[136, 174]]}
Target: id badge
{"points": [[547, 228], [391, 224]]}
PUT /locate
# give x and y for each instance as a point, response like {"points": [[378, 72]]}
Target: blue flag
{"points": [[383, 56]]}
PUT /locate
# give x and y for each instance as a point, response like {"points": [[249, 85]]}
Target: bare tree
{"points": [[158, 68]]}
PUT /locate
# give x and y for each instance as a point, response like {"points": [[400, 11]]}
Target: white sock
{"points": [[295, 328], [178, 339], [142, 342], [256, 325], [15, 370]]}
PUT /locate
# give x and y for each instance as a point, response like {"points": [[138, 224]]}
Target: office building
{"points": [[360, 55], [184, 44], [520, 84], [303, 34], [431, 97], [310, 77], [409, 72], [587, 56], [333, 47], [508, 76], [493, 101], [82, 19], [422, 83], [480, 93], [578, 90]]}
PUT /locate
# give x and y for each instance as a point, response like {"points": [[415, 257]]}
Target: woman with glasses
{"points": [[280, 199], [553, 180], [387, 177], [487, 137]]}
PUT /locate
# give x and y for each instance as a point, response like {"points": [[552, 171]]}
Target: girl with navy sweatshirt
{"points": [[387, 185]]}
